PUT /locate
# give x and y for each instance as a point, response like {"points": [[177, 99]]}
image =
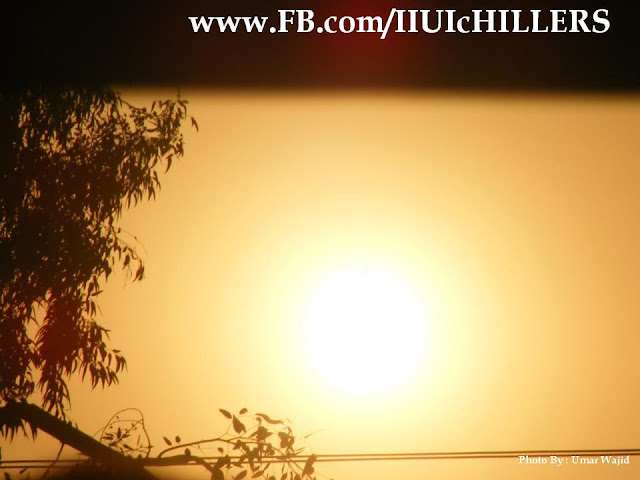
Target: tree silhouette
{"points": [[72, 160]]}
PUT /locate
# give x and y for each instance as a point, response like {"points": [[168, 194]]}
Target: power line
{"points": [[347, 457]]}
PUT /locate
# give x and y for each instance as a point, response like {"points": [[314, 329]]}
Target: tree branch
{"points": [[67, 434]]}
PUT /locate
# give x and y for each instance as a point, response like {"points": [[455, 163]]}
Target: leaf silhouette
{"points": [[268, 419], [238, 426], [308, 466], [217, 474]]}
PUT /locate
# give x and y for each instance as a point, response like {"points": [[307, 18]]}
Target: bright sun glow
{"points": [[364, 330]]}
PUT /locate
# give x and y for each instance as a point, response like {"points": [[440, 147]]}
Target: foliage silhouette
{"points": [[253, 446], [73, 159]]}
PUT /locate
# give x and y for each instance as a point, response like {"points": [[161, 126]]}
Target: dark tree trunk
{"points": [[67, 434]]}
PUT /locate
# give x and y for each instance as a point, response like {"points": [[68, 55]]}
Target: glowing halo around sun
{"points": [[364, 330]]}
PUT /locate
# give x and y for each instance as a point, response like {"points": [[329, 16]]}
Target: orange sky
{"points": [[515, 219]]}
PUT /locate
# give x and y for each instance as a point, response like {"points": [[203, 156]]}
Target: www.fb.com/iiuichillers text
{"points": [[412, 21]]}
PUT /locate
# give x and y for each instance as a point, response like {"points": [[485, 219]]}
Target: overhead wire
{"points": [[353, 457]]}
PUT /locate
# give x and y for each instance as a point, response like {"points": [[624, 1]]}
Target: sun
{"points": [[364, 330]]}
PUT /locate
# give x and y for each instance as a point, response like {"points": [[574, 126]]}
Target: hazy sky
{"points": [[514, 219]]}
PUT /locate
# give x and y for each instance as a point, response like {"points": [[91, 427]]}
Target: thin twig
{"points": [[54, 462]]}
